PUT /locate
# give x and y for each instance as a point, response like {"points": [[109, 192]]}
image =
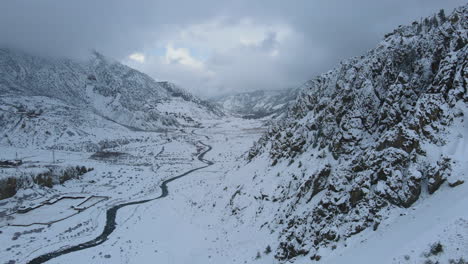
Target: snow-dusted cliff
{"points": [[377, 133]]}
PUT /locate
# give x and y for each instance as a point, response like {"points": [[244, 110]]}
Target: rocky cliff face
{"points": [[368, 136]]}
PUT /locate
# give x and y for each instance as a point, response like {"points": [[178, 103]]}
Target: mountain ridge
{"points": [[371, 135], [109, 88], [258, 104]]}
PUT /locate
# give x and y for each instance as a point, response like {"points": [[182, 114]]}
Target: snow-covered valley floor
{"points": [[174, 229], [191, 223]]}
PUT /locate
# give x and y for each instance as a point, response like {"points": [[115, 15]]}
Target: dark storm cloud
{"points": [[70, 28], [339, 29], [316, 35]]}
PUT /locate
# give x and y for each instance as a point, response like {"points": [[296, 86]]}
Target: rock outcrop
{"points": [[365, 133]]}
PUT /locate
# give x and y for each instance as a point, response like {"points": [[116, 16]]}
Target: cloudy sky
{"points": [[211, 47]]}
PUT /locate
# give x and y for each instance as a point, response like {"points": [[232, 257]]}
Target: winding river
{"points": [[111, 215]]}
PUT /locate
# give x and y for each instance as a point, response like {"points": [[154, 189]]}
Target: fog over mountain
{"points": [[211, 47]]}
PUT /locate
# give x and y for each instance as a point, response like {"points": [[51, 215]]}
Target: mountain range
{"points": [[258, 104], [363, 163], [49, 98]]}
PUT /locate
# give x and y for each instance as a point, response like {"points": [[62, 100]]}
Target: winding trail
{"points": [[111, 214]]}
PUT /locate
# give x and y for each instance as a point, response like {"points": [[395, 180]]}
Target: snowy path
{"points": [[111, 213]]}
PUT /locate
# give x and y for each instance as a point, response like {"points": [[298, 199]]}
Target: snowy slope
{"points": [[258, 104], [100, 85], [28, 121], [373, 136]]}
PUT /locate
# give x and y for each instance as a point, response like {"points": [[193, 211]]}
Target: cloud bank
{"points": [[211, 47]]}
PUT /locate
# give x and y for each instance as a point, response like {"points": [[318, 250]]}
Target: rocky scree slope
{"points": [[366, 137], [102, 86]]}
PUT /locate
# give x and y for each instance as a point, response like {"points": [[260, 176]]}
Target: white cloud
{"points": [[181, 56], [139, 57], [222, 55], [222, 34], [274, 53]]}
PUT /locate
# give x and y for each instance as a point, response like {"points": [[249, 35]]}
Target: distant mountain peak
{"points": [[259, 103]]}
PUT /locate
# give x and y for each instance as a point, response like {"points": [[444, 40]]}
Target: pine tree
{"points": [[442, 16], [434, 21], [258, 255], [426, 22], [419, 28], [268, 250]]}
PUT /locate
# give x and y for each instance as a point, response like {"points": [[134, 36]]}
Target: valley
{"points": [[364, 163], [128, 186]]}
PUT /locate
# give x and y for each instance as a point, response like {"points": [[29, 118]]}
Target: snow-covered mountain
{"points": [[258, 104], [103, 86], [374, 135], [365, 164], [55, 101]]}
